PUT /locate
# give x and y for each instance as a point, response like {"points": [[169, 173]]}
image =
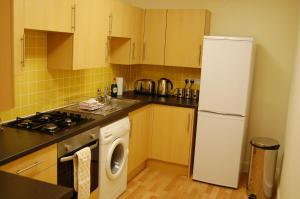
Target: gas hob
{"points": [[49, 123]]}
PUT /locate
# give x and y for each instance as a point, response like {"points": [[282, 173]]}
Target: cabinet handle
{"points": [[144, 51], [74, 17], [29, 167], [106, 50], [200, 52], [131, 125], [110, 24], [23, 50], [189, 123], [133, 51]]}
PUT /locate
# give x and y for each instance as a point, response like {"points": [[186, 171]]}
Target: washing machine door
{"points": [[116, 159]]}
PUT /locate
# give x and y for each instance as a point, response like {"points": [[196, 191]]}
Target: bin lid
{"points": [[265, 143]]}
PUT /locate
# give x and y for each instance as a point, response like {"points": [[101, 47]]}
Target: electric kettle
{"points": [[164, 87]]}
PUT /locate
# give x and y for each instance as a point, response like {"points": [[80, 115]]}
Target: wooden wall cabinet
{"points": [[184, 37], [12, 48], [119, 19], [137, 25], [126, 49], [171, 138], [87, 47], [49, 15], [40, 165], [141, 128], [154, 37]]}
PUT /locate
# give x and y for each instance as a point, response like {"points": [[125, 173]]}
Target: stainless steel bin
{"points": [[262, 167]]}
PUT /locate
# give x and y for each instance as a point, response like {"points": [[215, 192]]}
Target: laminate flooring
{"points": [[155, 184]]}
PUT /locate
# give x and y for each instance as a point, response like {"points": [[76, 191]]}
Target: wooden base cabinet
{"points": [[171, 138], [141, 128], [40, 165], [160, 135]]}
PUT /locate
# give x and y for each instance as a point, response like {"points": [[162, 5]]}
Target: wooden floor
{"points": [[154, 184]]}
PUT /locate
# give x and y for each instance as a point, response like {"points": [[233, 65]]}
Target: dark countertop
{"points": [[15, 143], [172, 101], [15, 186]]}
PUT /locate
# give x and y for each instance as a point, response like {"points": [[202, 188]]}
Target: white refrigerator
{"points": [[225, 86]]}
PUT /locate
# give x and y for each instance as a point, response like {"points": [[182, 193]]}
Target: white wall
{"points": [[290, 178], [273, 24]]}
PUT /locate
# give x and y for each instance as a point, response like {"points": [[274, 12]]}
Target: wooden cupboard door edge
{"points": [[207, 22], [192, 122]]}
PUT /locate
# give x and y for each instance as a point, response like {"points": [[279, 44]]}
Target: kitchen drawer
{"points": [[49, 175], [34, 163]]}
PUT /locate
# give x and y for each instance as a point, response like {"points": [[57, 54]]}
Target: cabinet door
{"points": [[172, 134], [6, 55], [125, 50], [184, 37], [141, 128], [120, 19], [137, 19], [154, 37], [90, 38], [49, 15]]}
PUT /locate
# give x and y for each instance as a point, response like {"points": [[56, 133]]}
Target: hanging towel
{"points": [[82, 165]]}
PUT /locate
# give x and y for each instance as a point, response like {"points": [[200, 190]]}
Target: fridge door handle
{"points": [[220, 113]]}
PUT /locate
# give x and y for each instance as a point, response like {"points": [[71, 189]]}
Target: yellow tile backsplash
{"points": [[176, 74], [39, 89]]}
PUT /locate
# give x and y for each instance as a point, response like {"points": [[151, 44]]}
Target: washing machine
{"points": [[113, 159]]}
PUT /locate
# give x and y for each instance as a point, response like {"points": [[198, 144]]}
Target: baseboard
{"points": [[136, 171], [168, 167]]}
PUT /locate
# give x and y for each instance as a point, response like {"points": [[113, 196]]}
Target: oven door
{"points": [[65, 173]]}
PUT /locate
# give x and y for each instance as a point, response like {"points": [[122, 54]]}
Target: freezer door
{"points": [[226, 75], [218, 149]]}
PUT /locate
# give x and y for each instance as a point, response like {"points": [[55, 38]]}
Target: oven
{"points": [[66, 154]]}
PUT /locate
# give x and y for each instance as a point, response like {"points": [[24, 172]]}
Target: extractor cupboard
{"points": [[49, 15]]}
